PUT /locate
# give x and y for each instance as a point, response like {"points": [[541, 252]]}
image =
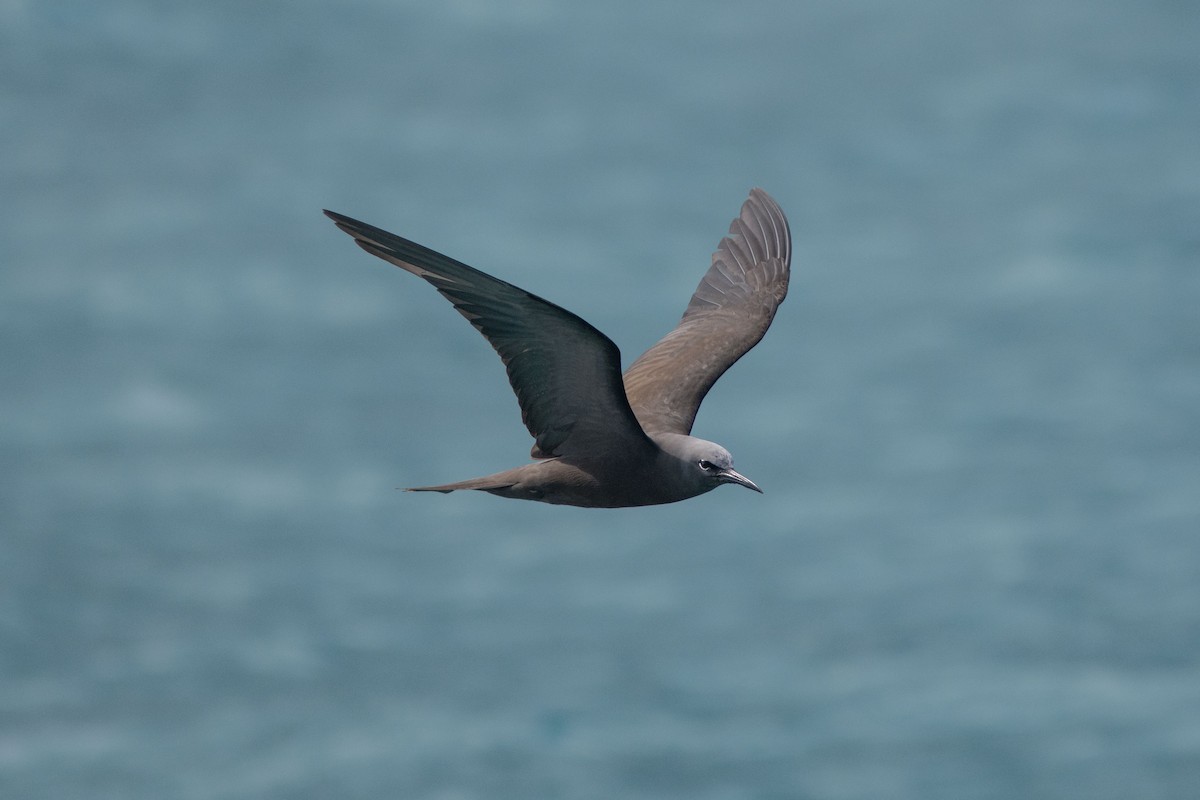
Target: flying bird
{"points": [[603, 439]]}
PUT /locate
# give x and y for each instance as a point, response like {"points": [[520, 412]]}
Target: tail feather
{"points": [[487, 484]]}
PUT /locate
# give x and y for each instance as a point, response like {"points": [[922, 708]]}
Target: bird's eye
{"points": [[707, 466]]}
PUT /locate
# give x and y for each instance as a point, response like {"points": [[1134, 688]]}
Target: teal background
{"points": [[975, 572]]}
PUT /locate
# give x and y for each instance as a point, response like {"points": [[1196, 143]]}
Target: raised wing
{"points": [[565, 373], [729, 313]]}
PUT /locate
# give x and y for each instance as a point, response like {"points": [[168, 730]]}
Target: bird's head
{"points": [[705, 464]]}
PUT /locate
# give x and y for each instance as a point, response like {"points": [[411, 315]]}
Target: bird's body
{"points": [[603, 439], [661, 477]]}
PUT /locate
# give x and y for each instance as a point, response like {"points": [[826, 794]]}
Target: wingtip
{"points": [[347, 225], [763, 196]]}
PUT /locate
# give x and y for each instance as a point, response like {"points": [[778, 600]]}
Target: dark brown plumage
{"points": [[603, 440]]}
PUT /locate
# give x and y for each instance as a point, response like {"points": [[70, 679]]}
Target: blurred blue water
{"points": [[975, 573]]}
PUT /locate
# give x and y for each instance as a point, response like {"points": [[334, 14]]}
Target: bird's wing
{"points": [[565, 373], [729, 313]]}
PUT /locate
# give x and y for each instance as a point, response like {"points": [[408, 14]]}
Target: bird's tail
{"points": [[490, 483]]}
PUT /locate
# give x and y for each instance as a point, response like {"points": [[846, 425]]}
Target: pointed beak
{"points": [[733, 476]]}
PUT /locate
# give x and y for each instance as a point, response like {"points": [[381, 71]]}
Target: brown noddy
{"points": [[604, 440]]}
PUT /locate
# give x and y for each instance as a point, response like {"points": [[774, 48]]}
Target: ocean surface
{"points": [[975, 572]]}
